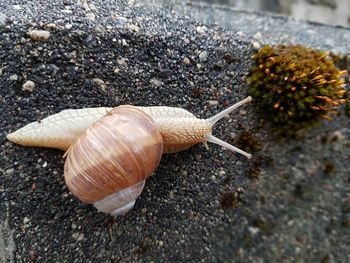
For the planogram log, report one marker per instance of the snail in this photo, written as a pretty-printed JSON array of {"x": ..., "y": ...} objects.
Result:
[{"x": 110, "y": 152}]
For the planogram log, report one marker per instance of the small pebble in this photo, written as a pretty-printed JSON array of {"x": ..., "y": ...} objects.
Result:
[
  {"x": 201, "y": 30},
  {"x": 50, "y": 26},
  {"x": 124, "y": 43},
  {"x": 253, "y": 230},
  {"x": 10, "y": 171},
  {"x": 28, "y": 86},
  {"x": 258, "y": 36},
  {"x": 338, "y": 136},
  {"x": 67, "y": 11},
  {"x": 213, "y": 102},
  {"x": 222, "y": 173},
  {"x": 256, "y": 45},
  {"x": 241, "y": 34},
  {"x": 203, "y": 55},
  {"x": 68, "y": 26},
  {"x": 3, "y": 20},
  {"x": 26, "y": 220},
  {"x": 239, "y": 190},
  {"x": 39, "y": 35},
  {"x": 78, "y": 236},
  {"x": 14, "y": 77},
  {"x": 186, "y": 61},
  {"x": 242, "y": 112},
  {"x": 17, "y": 7},
  {"x": 91, "y": 16},
  {"x": 100, "y": 83}
]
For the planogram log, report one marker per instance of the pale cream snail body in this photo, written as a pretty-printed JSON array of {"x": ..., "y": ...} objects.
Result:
[{"x": 111, "y": 152}]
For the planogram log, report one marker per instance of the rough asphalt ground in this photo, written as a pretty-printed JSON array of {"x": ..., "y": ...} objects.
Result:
[{"x": 290, "y": 203}]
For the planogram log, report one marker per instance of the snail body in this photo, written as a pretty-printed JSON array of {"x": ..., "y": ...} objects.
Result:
[
  {"x": 62, "y": 129},
  {"x": 111, "y": 152}
]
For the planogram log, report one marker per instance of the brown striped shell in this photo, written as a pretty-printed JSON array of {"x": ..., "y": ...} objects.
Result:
[{"x": 113, "y": 158}]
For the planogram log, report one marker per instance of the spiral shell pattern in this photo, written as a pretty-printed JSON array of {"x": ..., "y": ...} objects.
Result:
[{"x": 118, "y": 151}]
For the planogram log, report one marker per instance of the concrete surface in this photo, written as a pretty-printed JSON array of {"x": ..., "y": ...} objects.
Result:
[{"x": 290, "y": 203}]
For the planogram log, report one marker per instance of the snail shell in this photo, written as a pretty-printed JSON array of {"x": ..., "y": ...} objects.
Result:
[
  {"x": 111, "y": 152},
  {"x": 107, "y": 166}
]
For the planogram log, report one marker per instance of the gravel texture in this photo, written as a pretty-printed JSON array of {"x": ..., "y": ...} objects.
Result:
[{"x": 290, "y": 203}]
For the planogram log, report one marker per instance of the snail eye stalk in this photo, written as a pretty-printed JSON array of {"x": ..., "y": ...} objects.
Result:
[{"x": 219, "y": 116}]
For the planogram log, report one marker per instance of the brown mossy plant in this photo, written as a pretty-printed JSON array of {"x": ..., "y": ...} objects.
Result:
[
  {"x": 343, "y": 63},
  {"x": 295, "y": 85}
]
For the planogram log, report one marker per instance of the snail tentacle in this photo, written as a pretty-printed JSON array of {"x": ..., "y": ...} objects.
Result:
[
  {"x": 220, "y": 115},
  {"x": 228, "y": 146},
  {"x": 211, "y": 138}
]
